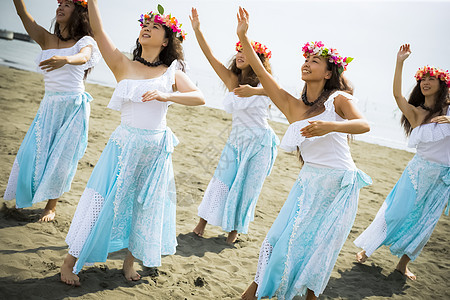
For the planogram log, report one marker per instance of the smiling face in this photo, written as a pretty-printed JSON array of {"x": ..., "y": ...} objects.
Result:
[
  {"x": 429, "y": 85},
  {"x": 315, "y": 68},
  {"x": 64, "y": 11},
  {"x": 241, "y": 60},
  {"x": 153, "y": 34}
]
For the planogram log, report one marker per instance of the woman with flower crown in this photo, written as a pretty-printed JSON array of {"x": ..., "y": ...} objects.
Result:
[
  {"x": 251, "y": 148},
  {"x": 301, "y": 248},
  {"x": 130, "y": 200},
  {"x": 56, "y": 140},
  {"x": 412, "y": 209}
]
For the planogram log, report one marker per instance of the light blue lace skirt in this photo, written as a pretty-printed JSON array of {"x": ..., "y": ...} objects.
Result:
[
  {"x": 48, "y": 156},
  {"x": 410, "y": 212},
  {"x": 232, "y": 193},
  {"x": 129, "y": 201},
  {"x": 302, "y": 246}
]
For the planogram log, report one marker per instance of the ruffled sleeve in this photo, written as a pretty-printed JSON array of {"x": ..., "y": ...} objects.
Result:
[
  {"x": 329, "y": 104},
  {"x": 118, "y": 97},
  {"x": 427, "y": 133},
  {"x": 95, "y": 55}
]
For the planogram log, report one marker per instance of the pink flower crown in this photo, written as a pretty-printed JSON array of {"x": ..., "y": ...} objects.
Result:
[
  {"x": 166, "y": 20},
  {"x": 435, "y": 72},
  {"x": 258, "y": 47},
  {"x": 332, "y": 54},
  {"x": 79, "y": 2}
]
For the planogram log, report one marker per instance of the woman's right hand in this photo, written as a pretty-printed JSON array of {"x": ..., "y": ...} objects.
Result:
[
  {"x": 195, "y": 21},
  {"x": 243, "y": 20},
  {"x": 403, "y": 53}
]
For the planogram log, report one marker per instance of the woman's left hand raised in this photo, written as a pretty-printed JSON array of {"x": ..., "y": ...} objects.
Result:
[
  {"x": 441, "y": 119},
  {"x": 53, "y": 63},
  {"x": 317, "y": 128},
  {"x": 243, "y": 19},
  {"x": 155, "y": 95}
]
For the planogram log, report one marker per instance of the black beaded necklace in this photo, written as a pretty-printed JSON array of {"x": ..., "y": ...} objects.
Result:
[
  {"x": 305, "y": 99},
  {"x": 59, "y": 36},
  {"x": 147, "y": 63},
  {"x": 424, "y": 107}
]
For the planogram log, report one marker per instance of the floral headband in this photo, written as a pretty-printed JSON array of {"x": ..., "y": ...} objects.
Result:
[
  {"x": 332, "y": 55},
  {"x": 166, "y": 20},
  {"x": 258, "y": 47},
  {"x": 435, "y": 72},
  {"x": 79, "y": 2}
]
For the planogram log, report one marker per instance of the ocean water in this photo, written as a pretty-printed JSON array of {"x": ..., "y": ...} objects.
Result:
[{"x": 384, "y": 120}]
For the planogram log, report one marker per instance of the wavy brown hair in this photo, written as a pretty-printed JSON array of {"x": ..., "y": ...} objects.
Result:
[
  {"x": 417, "y": 98},
  {"x": 173, "y": 50},
  {"x": 251, "y": 78}
]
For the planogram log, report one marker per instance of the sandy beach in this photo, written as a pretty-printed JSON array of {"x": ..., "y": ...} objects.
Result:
[{"x": 202, "y": 268}]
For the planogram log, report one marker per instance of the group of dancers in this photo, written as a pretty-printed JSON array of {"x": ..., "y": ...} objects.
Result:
[{"x": 130, "y": 200}]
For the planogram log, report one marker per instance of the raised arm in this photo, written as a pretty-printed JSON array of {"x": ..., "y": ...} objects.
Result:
[
  {"x": 36, "y": 32},
  {"x": 115, "y": 60},
  {"x": 228, "y": 78},
  {"x": 186, "y": 92},
  {"x": 287, "y": 103},
  {"x": 407, "y": 109}
]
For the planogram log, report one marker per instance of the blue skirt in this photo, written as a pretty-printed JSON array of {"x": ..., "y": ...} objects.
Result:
[
  {"x": 302, "y": 246},
  {"x": 410, "y": 212},
  {"x": 129, "y": 201},
  {"x": 232, "y": 193},
  {"x": 48, "y": 156}
]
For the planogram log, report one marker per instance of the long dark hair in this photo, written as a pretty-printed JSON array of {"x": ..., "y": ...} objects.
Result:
[
  {"x": 78, "y": 26},
  {"x": 173, "y": 50},
  {"x": 251, "y": 78},
  {"x": 417, "y": 98},
  {"x": 337, "y": 82}
]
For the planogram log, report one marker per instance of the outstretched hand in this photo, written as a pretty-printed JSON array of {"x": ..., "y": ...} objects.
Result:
[
  {"x": 403, "y": 53},
  {"x": 316, "y": 128},
  {"x": 155, "y": 95},
  {"x": 243, "y": 19},
  {"x": 244, "y": 91},
  {"x": 195, "y": 21},
  {"x": 53, "y": 63},
  {"x": 441, "y": 119}
]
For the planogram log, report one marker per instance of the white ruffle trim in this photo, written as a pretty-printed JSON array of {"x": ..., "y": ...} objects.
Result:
[
  {"x": 213, "y": 203},
  {"x": 427, "y": 133},
  {"x": 375, "y": 234},
  {"x": 232, "y": 103},
  {"x": 264, "y": 255},
  {"x": 292, "y": 139},
  {"x": 131, "y": 90},
  {"x": 86, "y": 215},
  {"x": 11, "y": 188}
]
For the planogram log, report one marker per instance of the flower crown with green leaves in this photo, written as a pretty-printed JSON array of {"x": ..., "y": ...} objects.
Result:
[
  {"x": 434, "y": 72},
  {"x": 79, "y": 2},
  {"x": 165, "y": 20},
  {"x": 332, "y": 55},
  {"x": 258, "y": 47}
]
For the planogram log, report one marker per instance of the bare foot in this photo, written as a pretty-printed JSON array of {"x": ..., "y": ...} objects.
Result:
[
  {"x": 405, "y": 271},
  {"x": 128, "y": 268},
  {"x": 250, "y": 292},
  {"x": 66, "y": 271},
  {"x": 49, "y": 212},
  {"x": 199, "y": 230},
  {"x": 361, "y": 257},
  {"x": 232, "y": 237}
]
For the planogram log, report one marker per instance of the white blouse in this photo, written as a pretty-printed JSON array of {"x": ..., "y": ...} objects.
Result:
[
  {"x": 68, "y": 78},
  {"x": 127, "y": 98},
  {"x": 432, "y": 141},
  {"x": 248, "y": 111},
  {"x": 330, "y": 150}
]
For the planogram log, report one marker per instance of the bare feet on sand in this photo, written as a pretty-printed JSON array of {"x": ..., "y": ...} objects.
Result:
[
  {"x": 66, "y": 271},
  {"x": 232, "y": 237},
  {"x": 250, "y": 292},
  {"x": 403, "y": 268},
  {"x": 128, "y": 268},
  {"x": 199, "y": 230},
  {"x": 49, "y": 212},
  {"x": 361, "y": 257}
]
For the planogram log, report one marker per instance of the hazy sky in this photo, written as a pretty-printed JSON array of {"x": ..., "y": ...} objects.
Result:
[{"x": 369, "y": 31}]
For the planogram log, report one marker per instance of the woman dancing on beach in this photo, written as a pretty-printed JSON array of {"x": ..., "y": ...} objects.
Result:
[
  {"x": 130, "y": 200},
  {"x": 56, "y": 140},
  {"x": 301, "y": 248},
  {"x": 412, "y": 209},
  {"x": 251, "y": 149}
]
